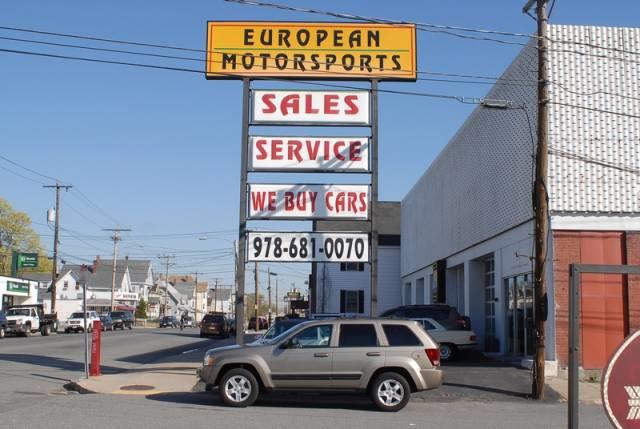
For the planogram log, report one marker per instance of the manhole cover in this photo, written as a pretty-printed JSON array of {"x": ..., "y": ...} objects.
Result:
[{"x": 137, "y": 387}]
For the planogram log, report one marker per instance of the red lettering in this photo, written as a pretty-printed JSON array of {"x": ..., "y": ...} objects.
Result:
[
  {"x": 331, "y": 104},
  {"x": 272, "y": 201},
  {"x": 353, "y": 107},
  {"x": 354, "y": 151},
  {"x": 363, "y": 202},
  {"x": 257, "y": 200},
  {"x": 301, "y": 201},
  {"x": 288, "y": 201},
  {"x": 276, "y": 150},
  {"x": 290, "y": 102},
  {"x": 351, "y": 202},
  {"x": 313, "y": 151},
  {"x": 308, "y": 104},
  {"x": 336, "y": 150},
  {"x": 313, "y": 196},
  {"x": 327, "y": 201},
  {"x": 327, "y": 154},
  {"x": 340, "y": 202},
  {"x": 267, "y": 100},
  {"x": 262, "y": 153},
  {"x": 294, "y": 147}
]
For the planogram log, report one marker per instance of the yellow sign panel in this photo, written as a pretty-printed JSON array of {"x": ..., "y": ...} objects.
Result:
[{"x": 311, "y": 50}]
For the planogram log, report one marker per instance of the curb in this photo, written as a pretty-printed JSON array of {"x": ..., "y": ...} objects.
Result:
[{"x": 74, "y": 386}]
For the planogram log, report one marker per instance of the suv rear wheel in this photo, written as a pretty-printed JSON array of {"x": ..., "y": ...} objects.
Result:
[
  {"x": 390, "y": 391},
  {"x": 239, "y": 388}
]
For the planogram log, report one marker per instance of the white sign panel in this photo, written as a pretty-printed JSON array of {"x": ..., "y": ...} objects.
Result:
[
  {"x": 311, "y": 107},
  {"x": 308, "y": 201},
  {"x": 309, "y": 153},
  {"x": 307, "y": 247}
]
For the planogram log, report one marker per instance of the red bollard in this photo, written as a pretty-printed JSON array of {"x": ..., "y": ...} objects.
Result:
[{"x": 95, "y": 349}]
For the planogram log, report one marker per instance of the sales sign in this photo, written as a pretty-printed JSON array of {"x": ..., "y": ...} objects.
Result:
[
  {"x": 309, "y": 154},
  {"x": 311, "y": 50},
  {"x": 308, "y": 201},
  {"x": 621, "y": 385},
  {"x": 310, "y": 107},
  {"x": 307, "y": 247}
]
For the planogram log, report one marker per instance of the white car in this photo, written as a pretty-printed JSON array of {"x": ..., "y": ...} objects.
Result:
[
  {"x": 450, "y": 340},
  {"x": 75, "y": 323}
]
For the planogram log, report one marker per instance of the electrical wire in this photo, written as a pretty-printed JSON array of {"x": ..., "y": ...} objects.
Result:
[{"x": 29, "y": 170}]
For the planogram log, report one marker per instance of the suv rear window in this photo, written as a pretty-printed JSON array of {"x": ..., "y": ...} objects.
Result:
[
  {"x": 215, "y": 319},
  {"x": 357, "y": 335},
  {"x": 400, "y": 335}
]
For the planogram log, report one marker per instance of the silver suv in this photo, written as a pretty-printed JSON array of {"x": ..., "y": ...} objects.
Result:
[{"x": 388, "y": 359}]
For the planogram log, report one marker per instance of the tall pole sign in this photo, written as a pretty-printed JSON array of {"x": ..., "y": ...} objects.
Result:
[{"x": 312, "y": 51}]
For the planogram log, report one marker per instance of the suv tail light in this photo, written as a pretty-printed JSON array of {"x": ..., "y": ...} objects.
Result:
[
  {"x": 472, "y": 337},
  {"x": 434, "y": 356}
]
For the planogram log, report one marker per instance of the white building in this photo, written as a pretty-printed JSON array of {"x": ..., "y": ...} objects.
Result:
[
  {"x": 467, "y": 223},
  {"x": 17, "y": 291},
  {"x": 346, "y": 287}
]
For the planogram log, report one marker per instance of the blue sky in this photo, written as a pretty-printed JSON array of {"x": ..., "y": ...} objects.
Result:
[{"x": 158, "y": 151}]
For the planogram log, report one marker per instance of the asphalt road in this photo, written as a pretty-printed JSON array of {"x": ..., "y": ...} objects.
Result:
[{"x": 35, "y": 369}]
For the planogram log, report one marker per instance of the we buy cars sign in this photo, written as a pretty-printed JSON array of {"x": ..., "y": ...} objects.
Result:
[
  {"x": 267, "y": 201},
  {"x": 311, "y": 107},
  {"x": 621, "y": 385},
  {"x": 309, "y": 154}
]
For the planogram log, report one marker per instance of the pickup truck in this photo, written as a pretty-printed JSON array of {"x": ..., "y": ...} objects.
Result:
[
  {"x": 75, "y": 322},
  {"x": 29, "y": 319}
]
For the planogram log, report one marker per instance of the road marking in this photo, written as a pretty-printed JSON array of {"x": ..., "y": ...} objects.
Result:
[{"x": 190, "y": 351}]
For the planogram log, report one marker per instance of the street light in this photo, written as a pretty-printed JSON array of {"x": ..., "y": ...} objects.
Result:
[{"x": 269, "y": 274}]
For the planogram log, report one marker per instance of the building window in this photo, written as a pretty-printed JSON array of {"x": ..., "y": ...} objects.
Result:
[
  {"x": 65, "y": 285},
  {"x": 420, "y": 291},
  {"x": 407, "y": 293},
  {"x": 352, "y": 301},
  {"x": 352, "y": 266}
]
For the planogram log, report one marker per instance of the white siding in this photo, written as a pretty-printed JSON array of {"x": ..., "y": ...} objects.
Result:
[{"x": 584, "y": 143}]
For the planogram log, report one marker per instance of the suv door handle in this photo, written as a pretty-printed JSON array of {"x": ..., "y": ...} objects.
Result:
[
  {"x": 321, "y": 355},
  {"x": 373, "y": 353}
]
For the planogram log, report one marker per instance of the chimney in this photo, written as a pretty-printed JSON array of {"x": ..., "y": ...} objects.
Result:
[
  {"x": 126, "y": 258},
  {"x": 96, "y": 264}
]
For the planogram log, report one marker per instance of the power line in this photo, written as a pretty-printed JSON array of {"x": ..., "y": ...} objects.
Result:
[
  {"x": 29, "y": 169},
  {"x": 95, "y": 206},
  {"x": 22, "y": 176},
  {"x": 593, "y": 109}
]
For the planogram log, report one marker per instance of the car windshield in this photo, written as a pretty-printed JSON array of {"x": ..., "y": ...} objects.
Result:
[
  {"x": 18, "y": 312},
  {"x": 284, "y": 333},
  {"x": 77, "y": 316},
  {"x": 278, "y": 328},
  {"x": 117, "y": 314}
]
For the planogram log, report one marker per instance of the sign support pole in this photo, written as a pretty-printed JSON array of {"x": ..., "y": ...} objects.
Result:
[
  {"x": 374, "y": 197},
  {"x": 242, "y": 225}
]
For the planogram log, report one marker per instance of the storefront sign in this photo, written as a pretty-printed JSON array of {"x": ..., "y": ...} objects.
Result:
[
  {"x": 621, "y": 385},
  {"x": 27, "y": 260},
  {"x": 310, "y": 107},
  {"x": 309, "y": 153},
  {"x": 125, "y": 296},
  {"x": 18, "y": 287},
  {"x": 307, "y": 247},
  {"x": 311, "y": 50},
  {"x": 308, "y": 202}
]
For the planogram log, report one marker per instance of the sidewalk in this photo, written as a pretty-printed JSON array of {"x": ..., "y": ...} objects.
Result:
[{"x": 589, "y": 393}]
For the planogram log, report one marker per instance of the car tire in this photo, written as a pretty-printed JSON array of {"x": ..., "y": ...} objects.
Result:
[
  {"x": 2, "y": 332},
  {"x": 45, "y": 331},
  {"x": 390, "y": 391},
  {"x": 201, "y": 335},
  {"x": 27, "y": 333},
  {"x": 447, "y": 352},
  {"x": 239, "y": 388},
  {"x": 130, "y": 327}
]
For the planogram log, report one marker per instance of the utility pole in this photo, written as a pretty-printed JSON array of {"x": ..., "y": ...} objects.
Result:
[
  {"x": 540, "y": 199},
  {"x": 215, "y": 297},
  {"x": 196, "y": 297},
  {"x": 115, "y": 238},
  {"x": 276, "y": 297},
  {"x": 257, "y": 300},
  {"x": 54, "y": 270},
  {"x": 166, "y": 258}
]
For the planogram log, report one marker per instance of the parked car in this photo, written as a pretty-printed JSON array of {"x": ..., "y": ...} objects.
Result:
[
  {"x": 450, "y": 340},
  {"x": 445, "y": 314},
  {"x": 386, "y": 358},
  {"x": 29, "y": 319},
  {"x": 262, "y": 324},
  {"x": 214, "y": 324},
  {"x": 106, "y": 322},
  {"x": 3, "y": 324},
  {"x": 75, "y": 323},
  {"x": 169, "y": 322},
  {"x": 189, "y": 322},
  {"x": 278, "y": 328},
  {"x": 122, "y": 319},
  {"x": 232, "y": 326}
]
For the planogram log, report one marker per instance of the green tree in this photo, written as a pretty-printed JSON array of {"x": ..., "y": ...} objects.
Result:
[
  {"x": 141, "y": 310},
  {"x": 17, "y": 234}
]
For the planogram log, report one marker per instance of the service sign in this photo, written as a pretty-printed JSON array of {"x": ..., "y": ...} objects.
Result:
[
  {"x": 311, "y": 50},
  {"x": 307, "y": 247},
  {"x": 308, "y": 201},
  {"x": 339, "y": 154},
  {"x": 621, "y": 385},
  {"x": 310, "y": 107}
]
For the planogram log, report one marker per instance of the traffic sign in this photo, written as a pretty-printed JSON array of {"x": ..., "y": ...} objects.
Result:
[{"x": 621, "y": 385}]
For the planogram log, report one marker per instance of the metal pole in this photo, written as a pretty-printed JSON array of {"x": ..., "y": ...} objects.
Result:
[
  {"x": 116, "y": 237},
  {"x": 54, "y": 269},
  {"x": 374, "y": 198},
  {"x": 257, "y": 292},
  {"x": 196, "y": 305},
  {"x": 540, "y": 197},
  {"x": 86, "y": 334},
  {"x": 242, "y": 224},
  {"x": 269, "y": 290},
  {"x": 215, "y": 297},
  {"x": 276, "y": 297},
  {"x": 574, "y": 325}
]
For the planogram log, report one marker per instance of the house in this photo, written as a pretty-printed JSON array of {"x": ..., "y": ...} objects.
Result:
[
  {"x": 467, "y": 223},
  {"x": 140, "y": 273},
  {"x": 346, "y": 287},
  {"x": 219, "y": 300},
  {"x": 68, "y": 292}
]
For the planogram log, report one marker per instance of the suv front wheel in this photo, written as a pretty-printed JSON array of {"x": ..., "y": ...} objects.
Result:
[
  {"x": 239, "y": 388},
  {"x": 390, "y": 392}
]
